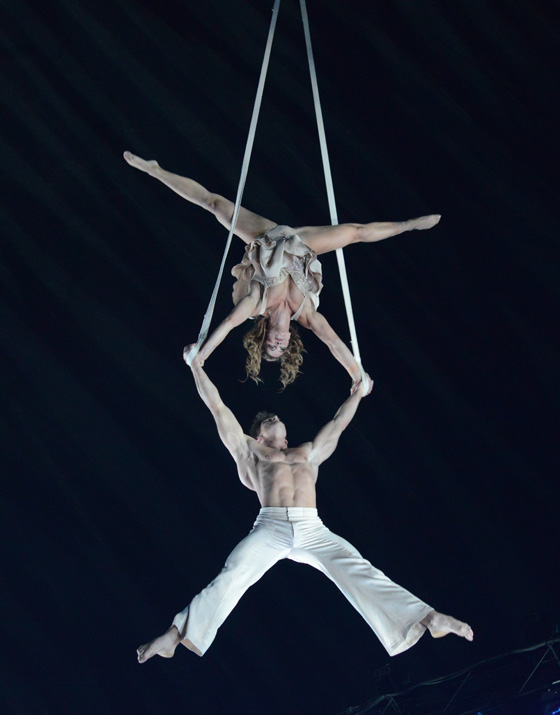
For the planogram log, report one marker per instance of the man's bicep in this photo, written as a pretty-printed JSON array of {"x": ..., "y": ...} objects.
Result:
[
  {"x": 230, "y": 432},
  {"x": 324, "y": 444}
]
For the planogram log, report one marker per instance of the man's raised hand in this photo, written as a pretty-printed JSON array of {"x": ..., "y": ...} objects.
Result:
[
  {"x": 197, "y": 361},
  {"x": 359, "y": 384}
]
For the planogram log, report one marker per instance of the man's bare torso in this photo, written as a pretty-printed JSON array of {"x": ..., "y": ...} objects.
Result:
[{"x": 281, "y": 477}]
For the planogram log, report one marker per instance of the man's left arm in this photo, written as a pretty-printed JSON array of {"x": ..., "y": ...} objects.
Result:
[{"x": 326, "y": 440}]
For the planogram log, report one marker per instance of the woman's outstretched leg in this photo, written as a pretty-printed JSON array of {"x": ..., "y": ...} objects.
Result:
[
  {"x": 248, "y": 226},
  {"x": 323, "y": 239}
]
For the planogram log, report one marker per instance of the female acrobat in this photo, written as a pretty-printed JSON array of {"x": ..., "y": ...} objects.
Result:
[{"x": 279, "y": 279}]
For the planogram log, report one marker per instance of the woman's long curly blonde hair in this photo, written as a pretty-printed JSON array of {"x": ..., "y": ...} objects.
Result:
[{"x": 290, "y": 361}]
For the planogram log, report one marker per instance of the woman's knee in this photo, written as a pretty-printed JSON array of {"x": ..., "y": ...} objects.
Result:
[
  {"x": 215, "y": 203},
  {"x": 357, "y": 232}
]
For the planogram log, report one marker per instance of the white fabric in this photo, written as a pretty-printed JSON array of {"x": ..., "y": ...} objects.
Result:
[
  {"x": 330, "y": 196},
  {"x": 271, "y": 259},
  {"x": 298, "y": 534}
]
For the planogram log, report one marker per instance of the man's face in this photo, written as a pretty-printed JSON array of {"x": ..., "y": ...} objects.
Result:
[
  {"x": 276, "y": 342},
  {"x": 272, "y": 428}
]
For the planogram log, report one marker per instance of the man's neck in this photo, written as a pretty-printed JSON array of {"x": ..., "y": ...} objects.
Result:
[{"x": 278, "y": 444}]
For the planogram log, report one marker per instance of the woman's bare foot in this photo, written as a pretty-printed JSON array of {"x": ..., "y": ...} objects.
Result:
[
  {"x": 163, "y": 645},
  {"x": 423, "y": 222},
  {"x": 142, "y": 164},
  {"x": 440, "y": 625}
]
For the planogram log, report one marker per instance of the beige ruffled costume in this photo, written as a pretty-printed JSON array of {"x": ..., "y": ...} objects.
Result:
[{"x": 270, "y": 259}]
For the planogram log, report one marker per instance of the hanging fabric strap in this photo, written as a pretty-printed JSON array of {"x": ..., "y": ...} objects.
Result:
[
  {"x": 330, "y": 194},
  {"x": 244, "y": 170}
]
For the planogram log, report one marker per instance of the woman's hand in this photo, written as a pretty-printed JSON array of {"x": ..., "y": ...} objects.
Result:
[
  {"x": 358, "y": 384},
  {"x": 198, "y": 360}
]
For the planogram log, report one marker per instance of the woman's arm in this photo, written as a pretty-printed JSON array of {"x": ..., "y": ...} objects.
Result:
[
  {"x": 319, "y": 325},
  {"x": 243, "y": 310}
]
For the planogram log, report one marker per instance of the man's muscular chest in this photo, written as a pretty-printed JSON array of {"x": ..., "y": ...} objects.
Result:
[{"x": 268, "y": 455}]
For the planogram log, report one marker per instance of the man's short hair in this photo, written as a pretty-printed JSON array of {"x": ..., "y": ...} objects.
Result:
[{"x": 260, "y": 417}]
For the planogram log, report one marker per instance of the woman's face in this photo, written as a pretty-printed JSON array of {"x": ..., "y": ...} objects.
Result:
[{"x": 276, "y": 342}]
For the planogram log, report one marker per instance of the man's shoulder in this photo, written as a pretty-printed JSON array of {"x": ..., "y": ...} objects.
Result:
[
  {"x": 303, "y": 449},
  {"x": 249, "y": 444},
  {"x": 242, "y": 451}
]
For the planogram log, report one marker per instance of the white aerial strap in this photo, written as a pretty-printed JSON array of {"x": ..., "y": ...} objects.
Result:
[
  {"x": 244, "y": 170},
  {"x": 330, "y": 193}
]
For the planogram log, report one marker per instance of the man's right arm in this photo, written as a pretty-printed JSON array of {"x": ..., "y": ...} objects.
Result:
[{"x": 229, "y": 428}]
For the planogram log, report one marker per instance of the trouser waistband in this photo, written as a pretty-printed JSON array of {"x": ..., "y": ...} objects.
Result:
[{"x": 288, "y": 513}]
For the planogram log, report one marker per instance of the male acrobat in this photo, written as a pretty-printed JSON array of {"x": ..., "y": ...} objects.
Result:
[{"x": 288, "y": 526}]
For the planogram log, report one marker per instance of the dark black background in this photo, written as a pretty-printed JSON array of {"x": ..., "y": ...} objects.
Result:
[{"x": 118, "y": 501}]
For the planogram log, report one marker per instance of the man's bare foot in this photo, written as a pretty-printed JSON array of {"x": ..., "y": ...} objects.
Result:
[
  {"x": 440, "y": 625},
  {"x": 163, "y": 645},
  {"x": 142, "y": 164},
  {"x": 424, "y": 222}
]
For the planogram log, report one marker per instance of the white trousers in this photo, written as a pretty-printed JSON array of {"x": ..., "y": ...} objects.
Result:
[{"x": 298, "y": 534}]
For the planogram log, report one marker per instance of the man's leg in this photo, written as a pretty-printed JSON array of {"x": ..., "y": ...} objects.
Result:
[
  {"x": 248, "y": 225},
  {"x": 196, "y": 626},
  {"x": 396, "y": 616},
  {"x": 323, "y": 239}
]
